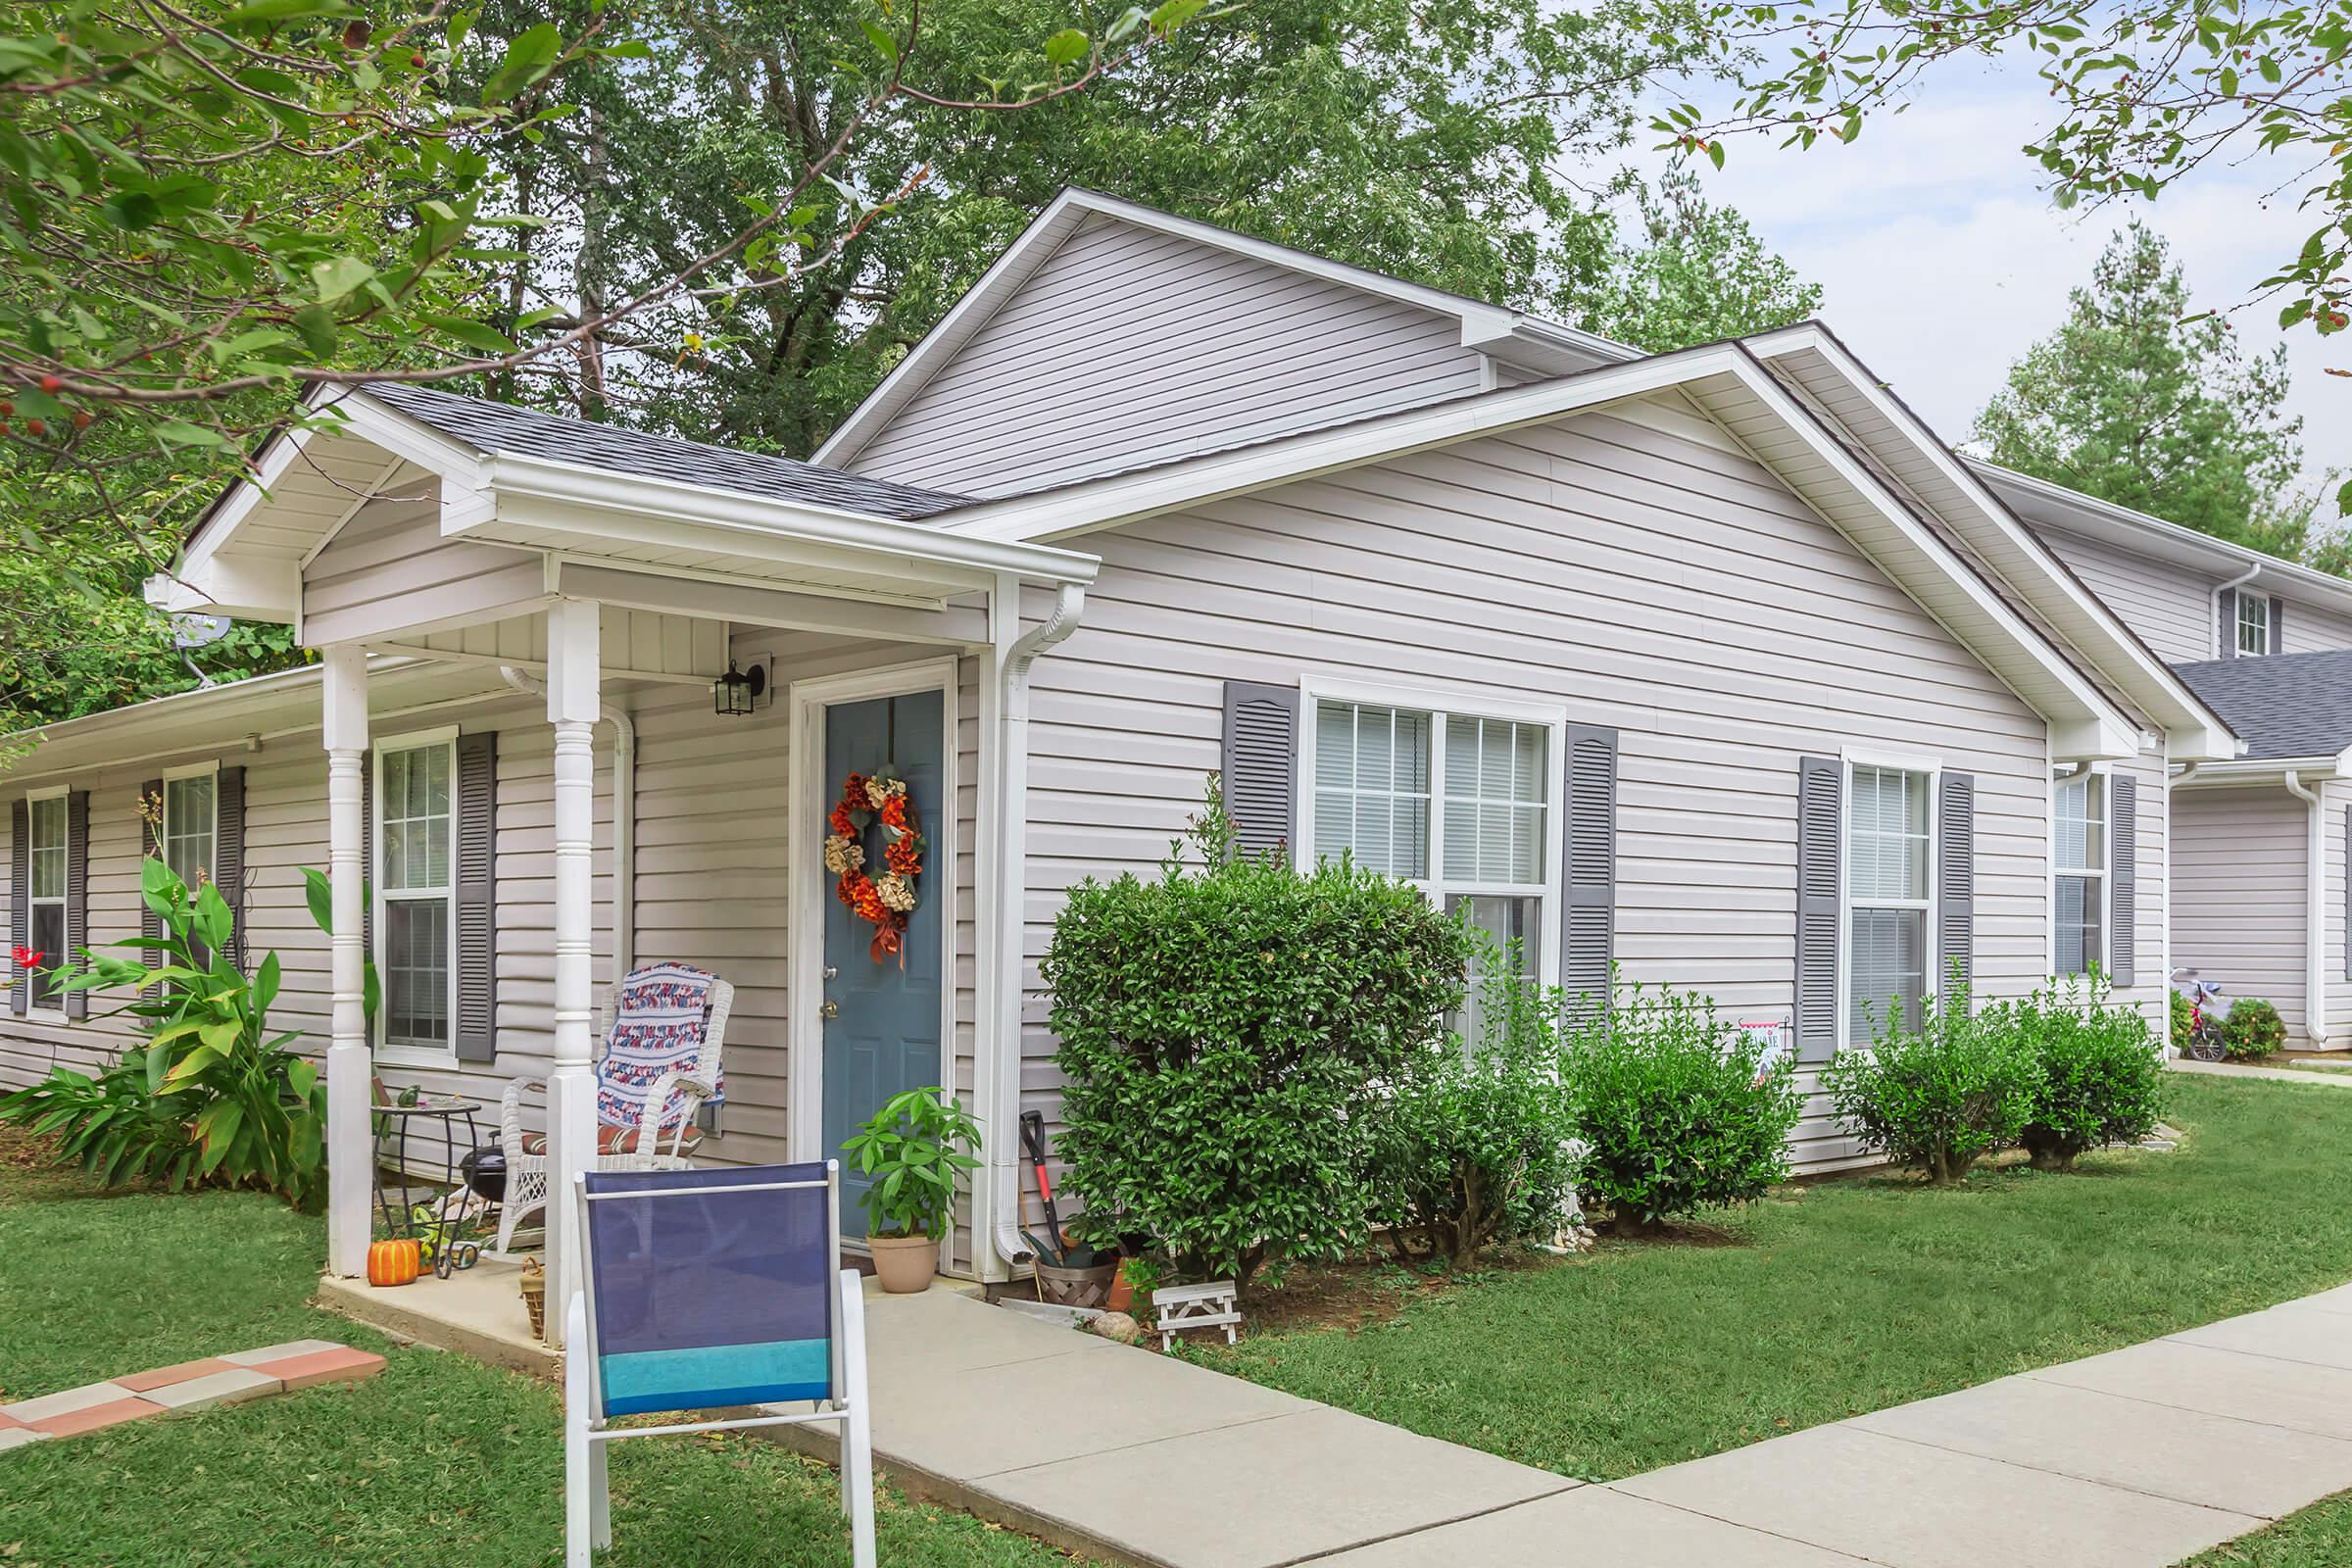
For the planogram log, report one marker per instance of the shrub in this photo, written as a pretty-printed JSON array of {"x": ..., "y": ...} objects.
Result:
[
  {"x": 2184, "y": 1015},
  {"x": 212, "y": 1096},
  {"x": 2103, "y": 1074},
  {"x": 1221, "y": 1027},
  {"x": 1681, "y": 1110},
  {"x": 1476, "y": 1144},
  {"x": 1938, "y": 1097},
  {"x": 2252, "y": 1029}
]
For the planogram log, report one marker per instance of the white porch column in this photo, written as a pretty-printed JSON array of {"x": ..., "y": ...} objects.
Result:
[
  {"x": 573, "y": 695},
  {"x": 350, "y": 1151}
]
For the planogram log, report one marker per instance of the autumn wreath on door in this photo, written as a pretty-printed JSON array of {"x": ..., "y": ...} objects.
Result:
[{"x": 889, "y": 899}]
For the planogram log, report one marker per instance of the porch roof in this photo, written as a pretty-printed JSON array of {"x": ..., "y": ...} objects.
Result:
[{"x": 2284, "y": 705}]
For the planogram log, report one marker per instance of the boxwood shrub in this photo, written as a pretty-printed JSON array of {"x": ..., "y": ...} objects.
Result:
[
  {"x": 1937, "y": 1097},
  {"x": 1223, "y": 1027},
  {"x": 1679, "y": 1109},
  {"x": 2102, "y": 1073}
]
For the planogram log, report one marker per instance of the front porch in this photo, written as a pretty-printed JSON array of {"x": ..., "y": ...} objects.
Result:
[{"x": 589, "y": 615}]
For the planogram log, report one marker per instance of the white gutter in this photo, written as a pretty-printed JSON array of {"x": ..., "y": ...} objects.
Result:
[
  {"x": 2315, "y": 913},
  {"x": 1013, "y": 890},
  {"x": 624, "y": 819},
  {"x": 2213, "y": 611}
]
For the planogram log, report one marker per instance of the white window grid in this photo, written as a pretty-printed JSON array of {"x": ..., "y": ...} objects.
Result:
[
  {"x": 2080, "y": 853},
  {"x": 1906, "y": 842},
  {"x": 191, "y": 826},
  {"x": 2253, "y": 623},
  {"x": 45, "y": 856},
  {"x": 415, "y": 860}
]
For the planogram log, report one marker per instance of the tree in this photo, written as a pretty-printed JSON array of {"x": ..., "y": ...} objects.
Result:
[
  {"x": 2145, "y": 92},
  {"x": 1704, "y": 275},
  {"x": 2139, "y": 402}
]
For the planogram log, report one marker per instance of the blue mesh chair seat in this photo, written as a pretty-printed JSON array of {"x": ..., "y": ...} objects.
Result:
[{"x": 706, "y": 1291}]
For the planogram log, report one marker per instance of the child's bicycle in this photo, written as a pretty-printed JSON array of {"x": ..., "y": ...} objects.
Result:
[{"x": 2207, "y": 1012}]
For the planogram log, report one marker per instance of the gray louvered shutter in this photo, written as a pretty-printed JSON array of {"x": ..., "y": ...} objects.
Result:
[
  {"x": 2225, "y": 634},
  {"x": 1260, "y": 763},
  {"x": 20, "y": 899},
  {"x": 77, "y": 892},
  {"x": 368, "y": 865},
  {"x": 1955, "y": 884},
  {"x": 1820, "y": 787},
  {"x": 2344, "y": 858},
  {"x": 477, "y": 896},
  {"x": 2278, "y": 624},
  {"x": 1589, "y": 912},
  {"x": 229, "y": 853},
  {"x": 151, "y": 924},
  {"x": 2122, "y": 850}
]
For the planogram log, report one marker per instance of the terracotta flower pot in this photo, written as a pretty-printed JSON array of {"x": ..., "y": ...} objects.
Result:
[{"x": 905, "y": 1263}]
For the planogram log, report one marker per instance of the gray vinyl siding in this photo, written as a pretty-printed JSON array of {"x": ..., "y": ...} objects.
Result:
[
  {"x": 1129, "y": 347},
  {"x": 389, "y": 569},
  {"x": 2310, "y": 630},
  {"x": 1638, "y": 579},
  {"x": 2238, "y": 893},
  {"x": 2169, "y": 605}
]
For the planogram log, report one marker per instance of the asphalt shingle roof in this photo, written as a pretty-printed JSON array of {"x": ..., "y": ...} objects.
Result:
[
  {"x": 502, "y": 427},
  {"x": 2283, "y": 704}
]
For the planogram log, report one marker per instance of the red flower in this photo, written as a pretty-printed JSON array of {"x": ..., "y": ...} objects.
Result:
[{"x": 27, "y": 957}]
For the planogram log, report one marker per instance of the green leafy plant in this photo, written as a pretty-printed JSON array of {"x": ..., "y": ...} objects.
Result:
[
  {"x": 2103, "y": 1074},
  {"x": 2253, "y": 1029},
  {"x": 1682, "y": 1112},
  {"x": 1475, "y": 1143},
  {"x": 1939, "y": 1096},
  {"x": 2183, "y": 1019},
  {"x": 211, "y": 1096},
  {"x": 1223, "y": 1028},
  {"x": 914, "y": 1147},
  {"x": 319, "y": 896}
]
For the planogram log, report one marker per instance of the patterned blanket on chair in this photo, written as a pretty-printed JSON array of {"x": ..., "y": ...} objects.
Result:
[{"x": 662, "y": 1023}]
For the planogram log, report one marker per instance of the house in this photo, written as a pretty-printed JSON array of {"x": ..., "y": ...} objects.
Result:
[
  {"x": 1716, "y": 666},
  {"x": 2268, "y": 646}
]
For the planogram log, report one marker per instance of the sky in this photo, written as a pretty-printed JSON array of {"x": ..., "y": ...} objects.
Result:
[{"x": 1942, "y": 261}]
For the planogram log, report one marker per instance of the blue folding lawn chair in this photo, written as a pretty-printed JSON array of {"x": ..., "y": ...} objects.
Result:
[{"x": 706, "y": 1290}]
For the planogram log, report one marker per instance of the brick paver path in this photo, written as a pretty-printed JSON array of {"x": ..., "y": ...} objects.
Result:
[{"x": 189, "y": 1386}]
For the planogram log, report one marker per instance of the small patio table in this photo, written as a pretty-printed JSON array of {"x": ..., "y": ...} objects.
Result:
[{"x": 447, "y": 1110}]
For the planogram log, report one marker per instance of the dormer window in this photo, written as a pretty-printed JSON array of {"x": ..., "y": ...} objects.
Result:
[{"x": 2253, "y": 625}]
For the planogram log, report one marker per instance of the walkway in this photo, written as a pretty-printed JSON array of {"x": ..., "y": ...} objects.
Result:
[
  {"x": 2133, "y": 1459},
  {"x": 2341, "y": 1077},
  {"x": 231, "y": 1379}
]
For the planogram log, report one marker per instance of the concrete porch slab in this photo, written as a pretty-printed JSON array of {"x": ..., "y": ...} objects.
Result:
[
  {"x": 1891, "y": 1501},
  {"x": 1590, "y": 1527},
  {"x": 2186, "y": 1455},
  {"x": 1301, "y": 1485},
  {"x": 476, "y": 1311}
]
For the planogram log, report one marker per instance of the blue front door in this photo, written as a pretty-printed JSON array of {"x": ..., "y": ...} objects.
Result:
[{"x": 882, "y": 1013}]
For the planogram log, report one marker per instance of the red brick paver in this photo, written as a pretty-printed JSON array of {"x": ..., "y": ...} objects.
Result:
[
  {"x": 91, "y": 1417},
  {"x": 340, "y": 1365},
  {"x": 188, "y": 1386}
]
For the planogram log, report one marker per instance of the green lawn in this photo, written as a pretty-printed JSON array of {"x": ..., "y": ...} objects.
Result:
[
  {"x": 437, "y": 1460},
  {"x": 1856, "y": 1295},
  {"x": 2320, "y": 1536}
]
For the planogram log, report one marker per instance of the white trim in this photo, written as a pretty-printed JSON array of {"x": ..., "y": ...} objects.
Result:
[
  {"x": 387, "y": 1052},
  {"x": 34, "y": 1013},
  {"x": 2239, "y": 604},
  {"x": 1443, "y": 700},
  {"x": 2105, "y": 874},
  {"x": 1931, "y": 943},
  {"x": 807, "y": 795}
]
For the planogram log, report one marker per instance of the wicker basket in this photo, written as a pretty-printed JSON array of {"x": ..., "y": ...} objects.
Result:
[
  {"x": 534, "y": 1296},
  {"x": 1076, "y": 1286}
]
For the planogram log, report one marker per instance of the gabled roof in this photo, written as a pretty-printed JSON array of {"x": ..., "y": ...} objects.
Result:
[
  {"x": 1529, "y": 342},
  {"x": 488, "y": 426},
  {"x": 2284, "y": 705}
]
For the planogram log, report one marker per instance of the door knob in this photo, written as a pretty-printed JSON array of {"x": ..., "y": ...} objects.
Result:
[{"x": 828, "y": 1008}]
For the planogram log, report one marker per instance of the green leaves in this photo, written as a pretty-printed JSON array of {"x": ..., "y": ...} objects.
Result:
[
  {"x": 333, "y": 279},
  {"x": 528, "y": 57},
  {"x": 914, "y": 1147}
]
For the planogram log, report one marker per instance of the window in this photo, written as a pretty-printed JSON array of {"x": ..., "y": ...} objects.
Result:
[
  {"x": 45, "y": 874},
  {"x": 191, "y": 829},
  {"x": 1888, "y": 894},
  {"x": 2253, "y": 623},
  {"x": 1457, "y": 804},
  {"x": 415, "y": 880},
  {"x": 2082, "y": 888}
]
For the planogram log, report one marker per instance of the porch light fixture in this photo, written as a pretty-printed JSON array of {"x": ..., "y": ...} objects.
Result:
[{"x": 737, "y": 692}]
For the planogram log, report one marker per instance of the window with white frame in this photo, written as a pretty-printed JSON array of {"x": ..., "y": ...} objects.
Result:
[
  {"x": 416, "y": 887},
  {"x": 2253, "y": 623},
  {"x": 45, "y": 876},
  {"x": 1456, "y": 803},
  {"x": 191, "y": 829},
  {"x": 2082, "y": 868},
  {"x": 1890, "y": 955}
]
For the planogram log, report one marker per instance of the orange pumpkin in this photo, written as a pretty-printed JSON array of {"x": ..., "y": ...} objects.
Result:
[{"x": 394, "y": 1262}]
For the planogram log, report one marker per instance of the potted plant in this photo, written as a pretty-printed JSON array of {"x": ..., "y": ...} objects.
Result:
[{"x": 913, "y": 1149}]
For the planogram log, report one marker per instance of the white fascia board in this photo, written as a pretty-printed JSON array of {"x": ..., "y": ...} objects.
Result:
[
  {"x": 2266, "y": 770},
  {"x": 598, "y": 503},
  {"x": 219, "y": 526},
  {"x": 1116, "y": 499},
  {"x": 244, "y": 587},
  {"x": 2062, "y": 596}
]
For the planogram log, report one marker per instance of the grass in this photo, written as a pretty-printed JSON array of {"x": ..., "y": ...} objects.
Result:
[
  {"x": 2320, "y": 1536},
  {"x": 1840, "y": 1297},
  {"x": 437, "y": 1460}
]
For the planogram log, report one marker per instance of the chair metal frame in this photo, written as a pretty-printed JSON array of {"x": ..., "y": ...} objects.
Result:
[{"x": 587, "y": 1494}]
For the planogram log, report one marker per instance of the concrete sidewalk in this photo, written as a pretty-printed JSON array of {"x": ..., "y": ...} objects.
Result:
[
  {"x": 2341, "y": 1078},
  {"x": 2133, "y": 1459}
]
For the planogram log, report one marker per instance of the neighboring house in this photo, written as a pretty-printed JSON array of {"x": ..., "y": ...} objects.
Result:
[
  {"x": 2262, "y": 641},
  {"x": 1716, "y": 666}
]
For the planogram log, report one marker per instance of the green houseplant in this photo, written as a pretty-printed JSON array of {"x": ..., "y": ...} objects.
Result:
[{"x": 913, "y": 1148}]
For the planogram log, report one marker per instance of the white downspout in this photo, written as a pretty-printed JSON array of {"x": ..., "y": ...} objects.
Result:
[
  {"x": 624, "y": 819},
  {"x": 1012, "y": 889},
  {"x": 2315, "y": 913},
  {"x": 2213, "y": 615}
]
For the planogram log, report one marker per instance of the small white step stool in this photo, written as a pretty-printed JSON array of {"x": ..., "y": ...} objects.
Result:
[{"x": 1194, "y": 1307}]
